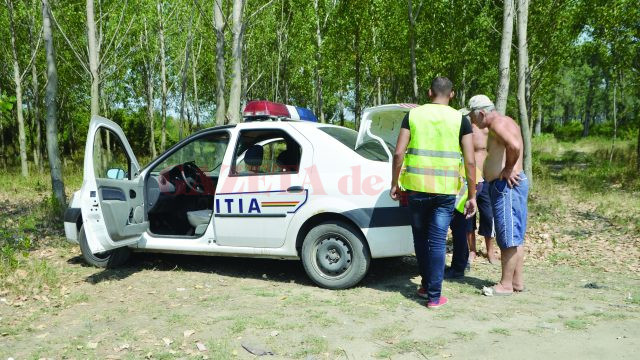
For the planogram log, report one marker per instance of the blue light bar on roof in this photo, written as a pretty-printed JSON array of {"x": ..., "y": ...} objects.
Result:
[
  {"x": 306, "y": 114},
  {"x": 300, "y": 113}
]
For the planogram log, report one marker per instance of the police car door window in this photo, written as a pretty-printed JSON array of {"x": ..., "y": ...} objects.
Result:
[
  {"x": 110, "y": 160},
  {"x": 206, "y": 152},
  {"x": 261, "y": 152}
]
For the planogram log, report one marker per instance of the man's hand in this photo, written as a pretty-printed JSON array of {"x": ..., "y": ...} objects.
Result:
[
  {"x": 512, "y": 177},
  {"x": 394, "y": 193},
  {"x": 470, "y": 208}
]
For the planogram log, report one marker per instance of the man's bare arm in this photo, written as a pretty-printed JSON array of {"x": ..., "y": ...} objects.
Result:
[
  {"x": 398, "y": 158},
  {"x": 468, "y": 154},
  {"x": 508, "y": 133}
]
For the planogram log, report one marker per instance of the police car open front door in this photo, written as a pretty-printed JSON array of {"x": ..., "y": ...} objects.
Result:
[
  {"x": 263, "y": 189},
  {"x": 112, "y": 193}
]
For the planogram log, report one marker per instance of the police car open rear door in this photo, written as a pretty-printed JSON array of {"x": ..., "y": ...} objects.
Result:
[{"x": 112, "y": 201}]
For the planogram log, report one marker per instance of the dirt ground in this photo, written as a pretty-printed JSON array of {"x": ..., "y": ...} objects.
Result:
[
  {"x": 176, "y": 306},
  {"x": 583, "y": 300}
]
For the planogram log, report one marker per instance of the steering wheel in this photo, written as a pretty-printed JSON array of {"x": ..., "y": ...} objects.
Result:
[{"x": 193, "y": 177}]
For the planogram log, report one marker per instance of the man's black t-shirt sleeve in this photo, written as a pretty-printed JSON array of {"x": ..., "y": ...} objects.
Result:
[
  {"x": 405, "y": 122},
  {"x": 465, "y": 126}
]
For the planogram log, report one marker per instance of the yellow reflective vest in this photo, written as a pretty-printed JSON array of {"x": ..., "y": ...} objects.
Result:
[{"x": 433, "y": 162}]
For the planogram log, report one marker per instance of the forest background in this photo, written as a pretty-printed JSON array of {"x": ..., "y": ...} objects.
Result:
[
  {"x": 566, "y": 70},
  {"x": 165, "y": 69}
]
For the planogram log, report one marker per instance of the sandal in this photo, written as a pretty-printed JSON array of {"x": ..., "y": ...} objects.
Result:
[{"x": 491, "y": 291}]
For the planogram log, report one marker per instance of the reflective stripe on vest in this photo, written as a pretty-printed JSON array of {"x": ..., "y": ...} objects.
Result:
[
  {"x": 432, "y": 172},
  {"x": 433, "y": 153},
  {"x": 433, "y": 162}
]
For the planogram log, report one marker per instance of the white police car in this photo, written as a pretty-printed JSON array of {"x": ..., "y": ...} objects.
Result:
[{"x": 276, "y": 189}]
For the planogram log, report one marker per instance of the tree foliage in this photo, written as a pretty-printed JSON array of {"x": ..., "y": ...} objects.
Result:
[{"x": 362, "y": 59}]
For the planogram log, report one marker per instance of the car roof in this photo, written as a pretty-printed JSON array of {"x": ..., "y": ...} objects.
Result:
[{"x": 265, "y": 124}]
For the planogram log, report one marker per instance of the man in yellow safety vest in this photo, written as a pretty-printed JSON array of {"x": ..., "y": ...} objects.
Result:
[{"x": 433, "y": 153}]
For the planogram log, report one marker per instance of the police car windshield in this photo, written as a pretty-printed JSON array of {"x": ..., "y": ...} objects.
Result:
[{"x": 371, "y": 150}]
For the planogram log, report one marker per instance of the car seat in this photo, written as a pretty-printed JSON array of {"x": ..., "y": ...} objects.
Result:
[
  {"x": 253, "y": 158},
  {"x": 199, "y": 219},
  {"x": 288, "y": 160}
]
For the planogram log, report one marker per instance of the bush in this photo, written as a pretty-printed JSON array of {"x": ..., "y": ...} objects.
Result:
[{"x": 568, "y": 131}]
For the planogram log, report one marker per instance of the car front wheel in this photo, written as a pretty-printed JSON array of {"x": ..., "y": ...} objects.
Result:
[
  {"x": 335, "y": 256},
  {"x": 107, "y": 259}
]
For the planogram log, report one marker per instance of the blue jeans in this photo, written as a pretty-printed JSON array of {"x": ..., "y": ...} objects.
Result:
[
  {"x": 460, "y": 226},
  {"x": 430, "y": 219}
]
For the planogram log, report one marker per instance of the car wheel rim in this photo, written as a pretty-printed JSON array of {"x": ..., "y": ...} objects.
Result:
[{"x": 333, "y": 256}]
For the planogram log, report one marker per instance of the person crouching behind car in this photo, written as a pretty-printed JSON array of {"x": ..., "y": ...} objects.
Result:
[{"x": 436, "y": 140}]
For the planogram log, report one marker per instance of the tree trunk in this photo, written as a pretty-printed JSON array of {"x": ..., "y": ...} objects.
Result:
[
  {"x": 317, "y": 71},
  {"x": 163, "y": 77},
  {"x": 57, "y": 184},
  {"x": 150, "y": 115},
  {"x": 196, "y": 100},
  {"x": 412, "y": 51},
  {"x": 588, "y": 106},
  {"x": 93, "y": 59},
  {"x": 505, "y": 56},
  {"x": 22, "y": 138},
  {"x": 357, "y": 106},
  {"x": 184, "y": 80},
  {"x": 615, "y": 120},
  {"x": 523, "y": 65},
  {"x": 148, "y": 85},
  {"x": 235, "y": 92},
  {"x": 538, "y": 127},
  {"x": 638, "y": 152},
  {"x": 219, "y": 23},
  {"x": 37, "y": 150},
  {"x": 379, "y": 92}
]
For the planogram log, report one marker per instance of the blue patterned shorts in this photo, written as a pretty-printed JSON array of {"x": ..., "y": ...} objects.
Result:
[{"x": 509, "y": 207}]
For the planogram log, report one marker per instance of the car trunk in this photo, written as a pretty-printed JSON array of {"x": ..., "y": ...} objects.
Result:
[{"x": 381, "y": 124}]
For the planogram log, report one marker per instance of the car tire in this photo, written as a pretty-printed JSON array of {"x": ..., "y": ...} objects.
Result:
[
  {"x": 108, "y": 259},
  {"x": 335, "y": 255}
]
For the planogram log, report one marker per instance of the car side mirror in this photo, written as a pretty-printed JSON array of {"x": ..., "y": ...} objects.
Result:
[{"x": 115, "y": 174}]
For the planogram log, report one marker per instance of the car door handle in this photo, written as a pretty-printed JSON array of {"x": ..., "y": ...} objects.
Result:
[{"x": 295, "y": 189}]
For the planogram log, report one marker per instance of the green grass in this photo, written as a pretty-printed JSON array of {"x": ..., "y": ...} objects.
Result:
[
  {"x": 391, "y": 333},
  {"x": 634, "y": 298},
  {"x": 423, "y": 348},
  {"x": 500, "y": 331},
  {"x": 312, "y": 345},
  {"x": 465, "y": 335},
  {"x": 583, "y": 165},
  {"x": 576, "y": 324}
]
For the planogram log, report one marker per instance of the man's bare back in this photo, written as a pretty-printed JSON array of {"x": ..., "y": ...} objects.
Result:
[{"x": 501, "y": 130}]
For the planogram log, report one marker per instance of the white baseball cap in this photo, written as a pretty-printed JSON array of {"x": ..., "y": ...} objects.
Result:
[{"x": 480, "y": 102}]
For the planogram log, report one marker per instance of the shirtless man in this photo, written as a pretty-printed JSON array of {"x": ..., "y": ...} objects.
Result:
[
  {"x": 482, "y": 198},
  {"x": 508, "y": 190},
  {"x": 463, "y": 229}
]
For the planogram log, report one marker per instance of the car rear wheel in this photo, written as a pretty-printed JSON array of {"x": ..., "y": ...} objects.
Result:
[
  {"x": 335, "y": 256},
  {"x": 108, "y": 259}
]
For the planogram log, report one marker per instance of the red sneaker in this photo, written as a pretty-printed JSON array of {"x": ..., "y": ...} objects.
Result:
[
  {"x": 422, "y": 292},
  {"x": 434, "y": 305}
]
